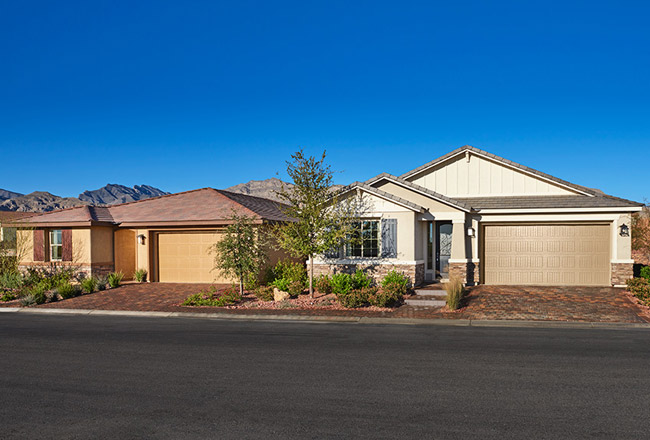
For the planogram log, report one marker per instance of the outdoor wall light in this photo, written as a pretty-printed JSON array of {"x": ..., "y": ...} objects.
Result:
[
  {"x": 141, "y": 238},
  {"x": 625, "y": 230},
  {"x": 471, "y": 232}
]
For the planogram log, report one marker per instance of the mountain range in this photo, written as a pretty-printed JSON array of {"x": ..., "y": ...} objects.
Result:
[
  {"x": 42, "y": 201},
  {"x": 111, "y": 194}
]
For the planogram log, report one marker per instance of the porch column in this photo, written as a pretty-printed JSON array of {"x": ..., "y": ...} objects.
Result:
[{"x": 458, "y": 262}]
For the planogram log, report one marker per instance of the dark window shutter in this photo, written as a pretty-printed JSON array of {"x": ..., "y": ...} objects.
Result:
[
  {"x": 389, "y": 238},
  {"x": 39, "y": 245},
  {"x": 66, "y": 238}
]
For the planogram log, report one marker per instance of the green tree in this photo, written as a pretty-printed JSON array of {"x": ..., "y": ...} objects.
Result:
[
  {"x": 241, "y": 253},
  {"x": 321, "y": 221}
]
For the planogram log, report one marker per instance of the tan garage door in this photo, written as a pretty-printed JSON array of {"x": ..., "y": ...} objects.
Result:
[
  {"x": 559, "y": 255},
  {"x": 184, "y": 257}
]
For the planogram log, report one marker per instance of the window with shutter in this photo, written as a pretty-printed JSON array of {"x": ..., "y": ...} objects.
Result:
[{"x": 389, "y": 238}]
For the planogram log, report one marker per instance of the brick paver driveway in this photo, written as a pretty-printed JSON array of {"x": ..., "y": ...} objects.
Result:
[{"x": 590, "y": 304}]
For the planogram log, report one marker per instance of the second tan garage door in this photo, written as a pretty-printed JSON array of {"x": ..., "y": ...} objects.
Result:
[
  {"x": 184, "y": 257},
  {"x": 561, "y": 255}
]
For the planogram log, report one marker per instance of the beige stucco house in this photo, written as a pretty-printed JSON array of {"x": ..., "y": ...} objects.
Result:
[
  {"x": 488, "y": 220},
  {"x": 169, "y": 236}
]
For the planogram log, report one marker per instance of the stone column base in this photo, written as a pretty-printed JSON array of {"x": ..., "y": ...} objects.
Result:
[
  {"x": 621, "y": 272},
  {"x": 467, "y": 272}
]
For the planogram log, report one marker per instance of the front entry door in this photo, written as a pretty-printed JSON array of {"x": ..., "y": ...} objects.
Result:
[{"x": 443, "y": 249}]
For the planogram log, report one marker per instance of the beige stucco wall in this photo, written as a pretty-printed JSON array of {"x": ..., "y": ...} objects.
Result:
[
  {"x": 81, "y": 246},
  {"x": 143, "y": 251},
  {"x": 102, "y": 244},
  {"x": 25, "y": 245},
  {"x": 458, "y": 177}
]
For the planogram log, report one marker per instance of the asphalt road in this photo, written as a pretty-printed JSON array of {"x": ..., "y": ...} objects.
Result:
[{"x": 117, "y": 377}]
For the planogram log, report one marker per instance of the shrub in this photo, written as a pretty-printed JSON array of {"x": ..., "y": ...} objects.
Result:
[
  {"x": 296, "y": 288},
  {"x": 288, "y": 270},
  {"x": 140, "y": 275},
  {"x": 645, "y": 272},
  {"x": 8, "y": 296},
  {"x": 281, "y": 284},
  {"x": 115, "y": 279},
  {"x": 52, "y": 296},
  {"x": 214, "y": 298},
  {"x": 89, "y": 285},
  {"x": 39, "y": 297},
  {"x": 455, "y": 292},
  {"x": 385, "y": 297},
  {"x": 323, "y": 284},
  {"x": 341, "y": 284},
  {"x": 356, "y": 297},
  {"x": 11, "y": 281},
  {"x": 66, "y": 290},
  {"x": 251, "y": 282},
  {"x": 264, "y": 293},
  {"x": 360, "y": 280},
  {"x": 396, "y": 283},
  {"x": 640, "y": 287}
]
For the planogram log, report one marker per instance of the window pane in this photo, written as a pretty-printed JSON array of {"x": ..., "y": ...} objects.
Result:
[
  {"x": 56, "y": 237},
  {"x": 57, "y": 252}
]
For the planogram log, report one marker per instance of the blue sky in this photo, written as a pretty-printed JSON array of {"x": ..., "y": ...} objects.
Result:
[{"x": 182, "y": 95}]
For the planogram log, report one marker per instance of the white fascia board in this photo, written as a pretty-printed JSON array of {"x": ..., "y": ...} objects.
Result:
[
  {"x": 397, "y": 182},
  {"x": 576, "y": 217},
  {"x": 563, "y": 210}
]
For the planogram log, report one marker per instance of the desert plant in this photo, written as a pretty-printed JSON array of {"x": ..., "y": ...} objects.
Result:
[
  {"x": 289, "y": 271},
  {"x": 385, "y": 297},
  {"x": 455, "y": 292},
  {"x": 27, "y": 300},
  {"x": 52, "y": 296},
  {"x": 214, "y": 298},
  {"x": 67, "y": 290},
  {"x": 281, "y": 284},
  {"x": 89, "y": 285},
  {"x": 323, "y": 284},
  {"x": 640, "y": 287},
  {"x": 140, "y": 275},
  {"x": 115, "y": 279},
  {"x": 264, "y": 293},
  {"x": 101, "y": 283},
  {"x": 39, "y": 297}
]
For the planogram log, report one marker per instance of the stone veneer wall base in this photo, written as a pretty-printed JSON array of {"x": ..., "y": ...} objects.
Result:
[
  {"x": 621, "y": 272},
  {"x": 415, "y": 272}
]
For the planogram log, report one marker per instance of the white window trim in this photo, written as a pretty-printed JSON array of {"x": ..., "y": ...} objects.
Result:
[
  {"x": 51, "y": 246},
  {"x": 379, "y": 244}
]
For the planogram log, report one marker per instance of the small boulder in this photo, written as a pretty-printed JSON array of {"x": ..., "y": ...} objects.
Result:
[{"x": 279, "y": 295}]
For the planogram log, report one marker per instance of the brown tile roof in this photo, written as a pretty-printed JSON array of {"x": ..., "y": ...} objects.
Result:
[
  {"x": 206, "y": 206},
  {"x": 535, "y": 202},
  {"x": 10, "y": 216},
  {"x": 579, "y": 188}
]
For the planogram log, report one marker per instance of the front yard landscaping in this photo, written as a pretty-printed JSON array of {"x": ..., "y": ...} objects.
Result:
[{"x": 286, "y": 287}]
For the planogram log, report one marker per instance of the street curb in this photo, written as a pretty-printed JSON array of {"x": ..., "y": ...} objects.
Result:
[{"x": 338, "y": 319}]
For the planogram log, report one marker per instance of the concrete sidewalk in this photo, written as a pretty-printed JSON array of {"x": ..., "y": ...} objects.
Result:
[{"x": 334, "y": 319}]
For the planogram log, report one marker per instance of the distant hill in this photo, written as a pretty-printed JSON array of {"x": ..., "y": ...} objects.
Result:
[
  {"x": 41, "y": 201},
  {"x": 113, "y": 194},
  {"x": 261, "y": 188},
  {"x": 265, "y": 188},
  {"x": 4, "y": 194}
]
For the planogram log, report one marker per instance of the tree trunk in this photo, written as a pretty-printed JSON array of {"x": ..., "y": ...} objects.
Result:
[
  {"x": 241, "y": 285},
  {"x": 311, "y": 276}
]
